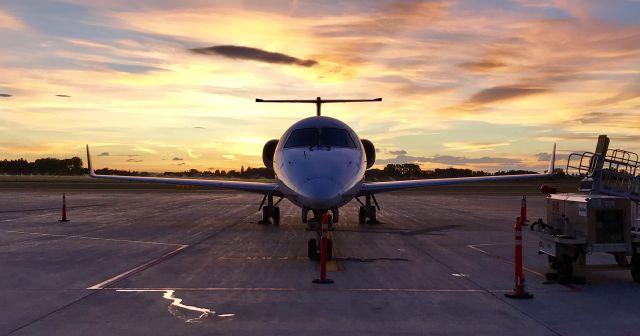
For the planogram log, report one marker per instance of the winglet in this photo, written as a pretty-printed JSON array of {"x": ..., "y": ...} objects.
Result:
[
  {"x": 91, "y": 172},
  {"x": 552, "y": 162}
]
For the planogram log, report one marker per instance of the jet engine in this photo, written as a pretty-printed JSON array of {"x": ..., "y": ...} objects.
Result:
[
  {"x": 268, "y": 151},
  {"x": 370, "y": 152}
]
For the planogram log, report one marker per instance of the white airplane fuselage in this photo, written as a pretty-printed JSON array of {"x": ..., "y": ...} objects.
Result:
[{"x": 321, "y": 176}]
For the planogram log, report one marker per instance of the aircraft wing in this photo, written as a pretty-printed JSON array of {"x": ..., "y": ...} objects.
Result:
[
  {"x": 377, "y": 187},
  {"x": 256, "y": 187}
]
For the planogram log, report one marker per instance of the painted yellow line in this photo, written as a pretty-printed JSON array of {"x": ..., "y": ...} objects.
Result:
[{"x": 332, "y": 265}]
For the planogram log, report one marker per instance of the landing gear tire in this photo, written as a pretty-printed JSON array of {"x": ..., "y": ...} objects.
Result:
[
  {"x": 312, "y": 249},
  {"x": 635, "y": 267},
  {"x": 276, "y": 216},
  {"x": 265, "y": 215},
  {"x": 565, "y": 269},
  {"x": 553, "y": 262},
  {"x": 621, "y": 259},
  {"x": 372, "y": 215},
  {"x": 362, "y": 216}
]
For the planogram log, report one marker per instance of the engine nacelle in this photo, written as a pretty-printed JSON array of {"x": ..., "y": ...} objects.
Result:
[
  {"x": 268, "y": 151},
  {"x": 369, "y": 151}
]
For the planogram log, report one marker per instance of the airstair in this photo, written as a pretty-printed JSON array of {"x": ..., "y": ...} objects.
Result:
[{"x": 613, "y": 172}]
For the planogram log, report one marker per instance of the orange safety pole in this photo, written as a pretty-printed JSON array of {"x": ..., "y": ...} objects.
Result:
[
  {"x": 323, "y": 251},
  {"x": 523, "y": 210},
  {"x": 64, "y": 209},
  {"x": 519, "y": 291}
]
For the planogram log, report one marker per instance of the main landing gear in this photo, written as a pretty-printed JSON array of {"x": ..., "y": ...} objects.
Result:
[
  {"x": 270, "y": 211},
  {"x": 367, "y": 212}
]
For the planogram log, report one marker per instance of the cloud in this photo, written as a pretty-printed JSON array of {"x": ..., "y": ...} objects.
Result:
[
  {"x": 482, "y": 66},
  {"x": 229, "y": 157},
  {"x": 474, "y": 146},
  {"x": 134, "y": 160},
  {"x": 253, "y": 54},
  {"x": 104, "y": 154},
  {"x": 591, "y": 137},
  {"x": 132, "y": 68},
  {"x": 393, "y": 18},
  {"x": 611, "y": 119},
  {"x": 492, "y": 95},
  {"x": 146, "y": 150},
  {"x": 405, "y": 50},
  {"x": 499, "y": 93},
  {"x": 63, "y": 95},
  {"x": 200, "y": 127},
  {"x": 177, "y": 159},
  {"x": 398, "y": 152},
  {"x": 5, "y": 95},
  {"x": 450, "y": 160},
  {"x": 180, "y": 164},
  {"x": 9, "y": 22},
  {"x": 190, "y": 152},
  {"x": 545, "y": 157}
]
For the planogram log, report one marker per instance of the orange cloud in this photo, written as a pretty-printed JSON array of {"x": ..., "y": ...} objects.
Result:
[{"x": 8, "y": 21}]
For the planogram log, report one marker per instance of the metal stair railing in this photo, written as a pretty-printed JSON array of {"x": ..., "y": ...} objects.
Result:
[
  {"x": 615, "y": 174},
  {"x": 586, "y": 163}
]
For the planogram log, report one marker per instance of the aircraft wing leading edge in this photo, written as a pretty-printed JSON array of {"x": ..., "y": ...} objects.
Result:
[
  {"x": 377, "y": 187},
  {"x": 256, "y": 187}
]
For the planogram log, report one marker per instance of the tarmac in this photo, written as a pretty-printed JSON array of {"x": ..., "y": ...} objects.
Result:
[{"x": 176, "y": 262}]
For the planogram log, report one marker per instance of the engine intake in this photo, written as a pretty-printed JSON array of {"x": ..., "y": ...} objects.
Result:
[
  {"x": 268, "y": 151},
  {"x": 370, "y": 152}
]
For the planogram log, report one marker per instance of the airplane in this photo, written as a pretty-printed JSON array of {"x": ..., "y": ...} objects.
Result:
[{"x": 319, "y": 164}]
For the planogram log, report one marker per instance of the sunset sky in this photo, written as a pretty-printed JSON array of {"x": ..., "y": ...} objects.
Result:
[{"x": 170, "y": 85}]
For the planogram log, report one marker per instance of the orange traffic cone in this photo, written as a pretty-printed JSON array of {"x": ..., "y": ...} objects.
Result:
[{"x": 64, "y": 209}]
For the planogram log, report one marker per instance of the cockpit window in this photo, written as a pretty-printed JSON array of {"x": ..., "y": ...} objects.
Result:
[
  {"x": 327, "y": 136},
  {"x": 303, "y": 137},
  {"x": 336, "y": 137}
]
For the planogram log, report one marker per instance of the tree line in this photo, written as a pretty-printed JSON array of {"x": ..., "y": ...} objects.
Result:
[
  {"x": 44, "y": 166},
  {"x": 74, "y": 166}
]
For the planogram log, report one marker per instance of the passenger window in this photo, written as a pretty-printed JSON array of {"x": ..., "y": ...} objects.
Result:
[
  {"x": 336, "y": 137},
  {"x": 303, "y": 137}
]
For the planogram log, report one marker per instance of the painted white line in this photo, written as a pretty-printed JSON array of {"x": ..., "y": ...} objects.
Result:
[
  {"x": 313, "y": 289},
  {"x": 92, "y": 238},
  {"x": 475, "y": 247},
  {"x": 125, "y": 274}
]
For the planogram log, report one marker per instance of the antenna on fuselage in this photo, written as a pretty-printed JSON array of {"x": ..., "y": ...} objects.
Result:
[{"x": 318, "y": 101}]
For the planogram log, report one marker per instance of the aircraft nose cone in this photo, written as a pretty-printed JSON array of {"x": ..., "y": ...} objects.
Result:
[{"x": 320, "y": 193}]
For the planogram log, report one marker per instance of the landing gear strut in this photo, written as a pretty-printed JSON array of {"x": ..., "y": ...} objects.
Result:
[
  {"x": 315, "y": 223},
  {"x": 367, "y": 212},
  {"x": 270, "y": 211}
]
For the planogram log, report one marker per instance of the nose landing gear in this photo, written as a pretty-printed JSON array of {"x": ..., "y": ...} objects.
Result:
[
  {"x": 315, "y": 224},
  {"x": 313, "y": 249}
]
